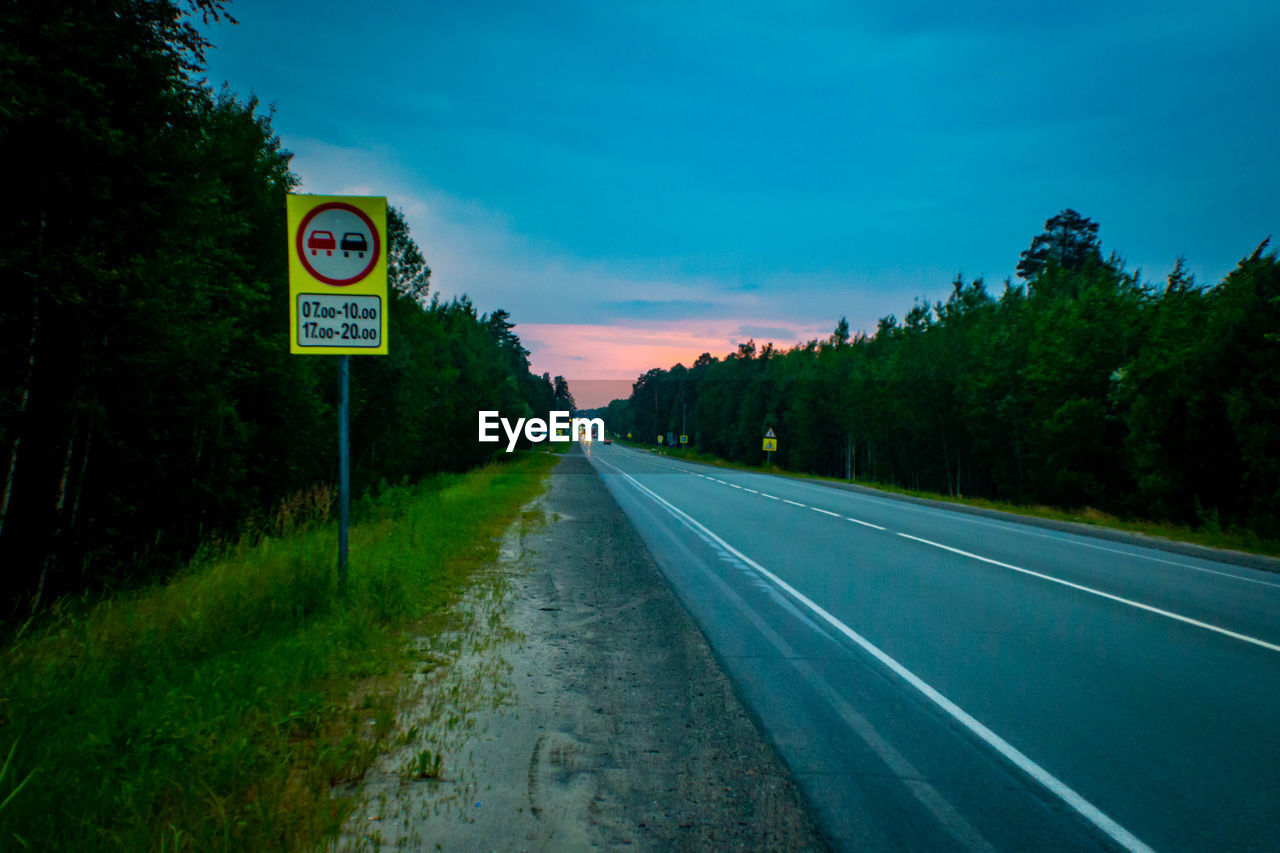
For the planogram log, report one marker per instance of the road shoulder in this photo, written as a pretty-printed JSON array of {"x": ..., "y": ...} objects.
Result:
[{"x": 581, "y": 707}]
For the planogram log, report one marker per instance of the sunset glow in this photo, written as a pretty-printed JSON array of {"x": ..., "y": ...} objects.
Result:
[{"x": 601, "y": 361}]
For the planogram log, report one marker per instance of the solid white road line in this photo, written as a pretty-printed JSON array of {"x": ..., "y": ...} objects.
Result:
[
  {"x": 1059, "y": 788},
  {"x": 915, "y": 781},
  {"x": 1138, "y": 604}
]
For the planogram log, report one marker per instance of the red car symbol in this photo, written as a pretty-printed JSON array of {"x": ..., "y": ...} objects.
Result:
[{"x": 321, "y": 240}]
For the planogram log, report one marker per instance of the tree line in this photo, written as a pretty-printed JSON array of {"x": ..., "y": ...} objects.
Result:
[
  {"x": 148, "y": 400},
  {"x": 1078, "y": 385}
]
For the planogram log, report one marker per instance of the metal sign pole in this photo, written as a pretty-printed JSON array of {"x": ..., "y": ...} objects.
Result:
[
  {"x": 344, "y": 471},
  {"x": 338, "y": 242}
]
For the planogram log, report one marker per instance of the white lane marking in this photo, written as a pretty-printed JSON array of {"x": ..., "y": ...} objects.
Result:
[
  {"x": 752, "y": 491},
  {"x": 913, "y": 779},
  {"x": 1082, "y": 806},
  {"x": 1023, "y": 529},
  {"x": 1145, "y": 556},
  {"x": 1138, "y": 604},
  {"x": 770, "y": 497},
  {"x": 825, "y": 511},
  {"x": 1066, "y": 537},
  {"x": 735, "y": 485},
  {"x": 1015, "y": 527},
  {"x": 793, "y": 503}
]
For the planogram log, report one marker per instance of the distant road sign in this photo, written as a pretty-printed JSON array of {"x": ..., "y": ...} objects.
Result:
[
  {"x": 771, "y": 444},
  {"x": 659, "y": 439},
  {"x": 769, "y": 434},
  {"x": 684, "y": 439},
  {"x": 337, "y": 274}
]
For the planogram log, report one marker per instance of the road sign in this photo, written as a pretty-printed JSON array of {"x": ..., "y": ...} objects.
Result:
[
  {"x": 659, "y": 439},
  {"x": 771, "y": 444},
  {"x": 628, "y": 435},
  {"x": 337, "y": 274},
  {"x": 684, "y": 439},
  {"x": 769, "y": 434}
]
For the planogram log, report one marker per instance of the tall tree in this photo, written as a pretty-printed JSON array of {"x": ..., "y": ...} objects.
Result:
[
  {"x": 1069, "y": 241},
  {"x": 563, "y": 396},
  {"x": 407, "y": 269}
]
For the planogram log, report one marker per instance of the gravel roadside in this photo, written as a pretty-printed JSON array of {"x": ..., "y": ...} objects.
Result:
[{"x": 580, "y": 708}]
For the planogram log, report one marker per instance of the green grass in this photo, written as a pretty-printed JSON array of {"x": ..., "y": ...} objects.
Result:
[
  {"x": 215, "y": 712},
  {"x": 1210, "y": 534}
]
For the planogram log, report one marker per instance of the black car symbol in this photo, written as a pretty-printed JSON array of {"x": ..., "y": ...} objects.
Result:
[{"x": 353, "y": 242}]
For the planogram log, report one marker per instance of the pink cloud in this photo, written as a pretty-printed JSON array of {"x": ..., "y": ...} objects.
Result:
[{"x": 601, "y": 361}]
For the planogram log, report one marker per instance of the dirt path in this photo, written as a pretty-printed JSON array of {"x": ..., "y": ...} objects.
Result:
[{"x": 580, "y": 707}]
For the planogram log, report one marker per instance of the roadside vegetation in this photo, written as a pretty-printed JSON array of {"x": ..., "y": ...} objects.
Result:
[
  {"x": 1081, "y": 385},
  {"x": 178, "y": 668},
  {"x": 148, "y": 400},
  {"x": 215, "y": 712}
]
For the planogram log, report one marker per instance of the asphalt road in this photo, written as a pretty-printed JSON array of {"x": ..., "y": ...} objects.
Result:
[{"x": 941, "y": 681}]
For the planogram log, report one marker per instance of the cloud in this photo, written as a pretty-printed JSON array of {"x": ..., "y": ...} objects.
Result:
[
  {"x": 601, "y": 361},
  {"x": 607, "y": 319},
  {"x": 661, "y": 309},
  {"x": 766, "y": 332}
]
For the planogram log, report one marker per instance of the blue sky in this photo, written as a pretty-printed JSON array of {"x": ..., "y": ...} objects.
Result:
[{"x": 648, "y": 180}]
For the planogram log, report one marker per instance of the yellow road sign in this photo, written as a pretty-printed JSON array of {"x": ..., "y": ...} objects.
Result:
[
  {"x": 771, "y": 444},
  {"x": 337, "y": 274}
]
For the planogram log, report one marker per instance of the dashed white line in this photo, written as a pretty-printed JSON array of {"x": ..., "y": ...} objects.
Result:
[
  {"x": 1138, "y": 604},
  {"x": 1013, "y": 526},
  {"x": 1130, "y": 602}
]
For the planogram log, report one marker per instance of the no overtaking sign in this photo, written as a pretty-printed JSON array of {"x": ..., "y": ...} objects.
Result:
[{"x": 337, "y": 274}]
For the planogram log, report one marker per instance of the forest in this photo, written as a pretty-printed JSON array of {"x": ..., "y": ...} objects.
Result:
[
  {"x": 149, "y": 405},
  {"x": 1078, "y": 385}
]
